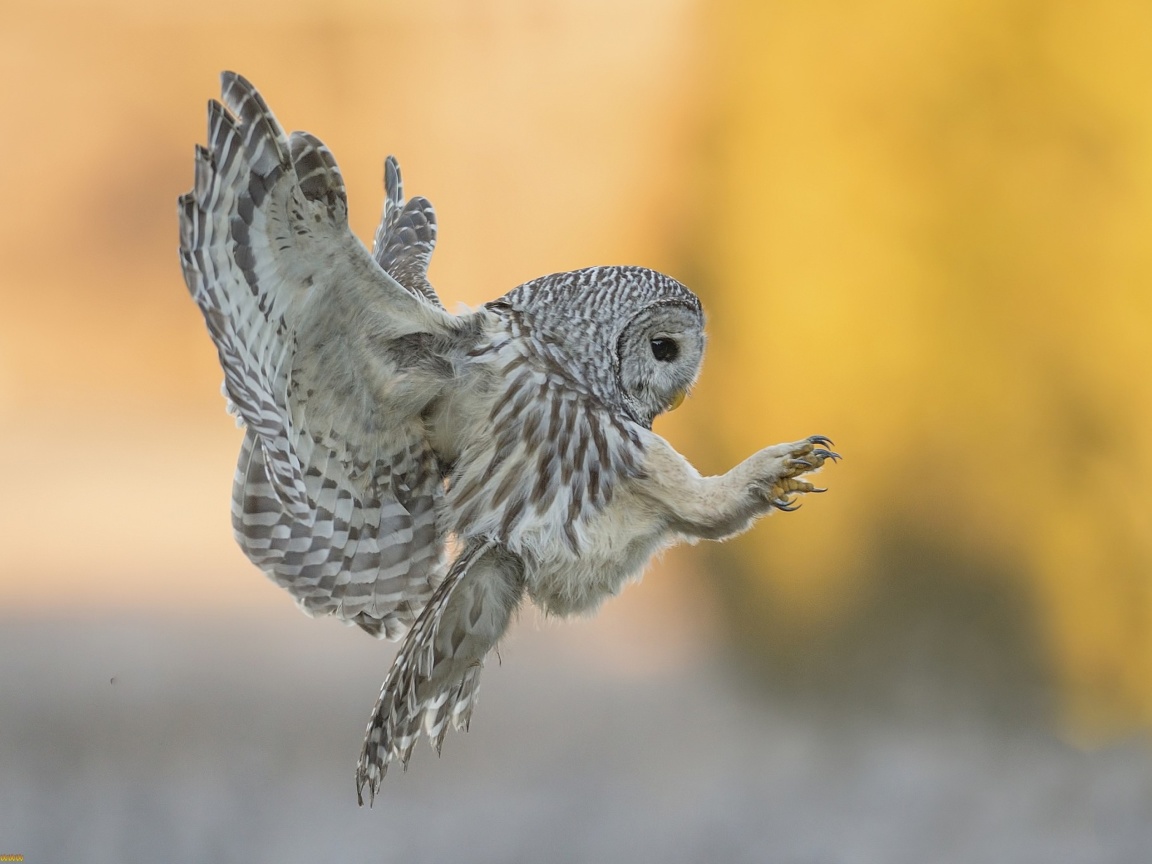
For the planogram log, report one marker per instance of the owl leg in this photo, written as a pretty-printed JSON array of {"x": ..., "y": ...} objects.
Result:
[
  {"x": 434, "y": 679},
  {"x": 781, "y": 483},
  {"x": 713, "y": 508}
]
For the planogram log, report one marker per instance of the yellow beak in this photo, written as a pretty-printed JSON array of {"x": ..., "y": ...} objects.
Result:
[{"x": 677, "y": 400}]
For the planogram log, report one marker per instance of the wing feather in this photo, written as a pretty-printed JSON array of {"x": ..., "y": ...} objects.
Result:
[
  {"x": 336, "y": 487},
  {"x": 406, "y": 236}
]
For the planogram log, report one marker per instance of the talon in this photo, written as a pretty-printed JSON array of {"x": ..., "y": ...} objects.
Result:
[
  {"x": 817, "y": 490},
  {"x": 827, "y": 454},
  {"x": 800, "y": 463},
  {"x": 822, "y": 440},
  {"x": 786, "y": 505}
]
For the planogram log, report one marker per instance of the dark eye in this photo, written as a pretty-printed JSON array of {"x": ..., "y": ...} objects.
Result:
[{"x": 665, "y": 350}]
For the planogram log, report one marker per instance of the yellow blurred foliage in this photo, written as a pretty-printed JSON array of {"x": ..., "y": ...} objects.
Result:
[
  {"x": 920, "y": 228},
  {"x": 930, "y": 232}
]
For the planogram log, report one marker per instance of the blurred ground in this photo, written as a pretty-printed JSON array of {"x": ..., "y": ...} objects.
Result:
[{"x": 129, "y": 739}]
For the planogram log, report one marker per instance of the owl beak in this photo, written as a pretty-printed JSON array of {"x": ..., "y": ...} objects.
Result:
[{"x": 678, "y": 400}]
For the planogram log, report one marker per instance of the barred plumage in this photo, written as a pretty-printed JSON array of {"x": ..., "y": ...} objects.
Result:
[
  {"x": 381, "y": 429},
  {"x": 406, "y": 236}
]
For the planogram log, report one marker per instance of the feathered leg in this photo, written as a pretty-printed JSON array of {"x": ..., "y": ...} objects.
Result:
[
  {"x": 434, "y": 678},
  {"x": 713, "y": 508}
]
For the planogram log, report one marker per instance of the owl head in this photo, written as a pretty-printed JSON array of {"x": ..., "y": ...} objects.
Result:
[
  {"x": 658, "y": 356},
  {"x": 632, "y": 336}
]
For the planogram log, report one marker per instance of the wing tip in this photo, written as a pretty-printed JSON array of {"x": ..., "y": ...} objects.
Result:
[
  {"x": 393, "y": 181},
  {"x": 245, "y": 102},
  {"x": 228, "y": 78}
]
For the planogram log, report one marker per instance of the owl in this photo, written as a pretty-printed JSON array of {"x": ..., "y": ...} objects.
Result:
[{"x": 422, "y": 474}]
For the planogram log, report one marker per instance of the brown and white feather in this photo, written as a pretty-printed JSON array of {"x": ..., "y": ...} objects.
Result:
[
  {"x": 382, "y": 430},
  {"x": 336, "y": 488}
]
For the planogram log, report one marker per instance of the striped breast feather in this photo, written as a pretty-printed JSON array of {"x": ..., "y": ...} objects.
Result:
[{"x": 552, "y": 459}]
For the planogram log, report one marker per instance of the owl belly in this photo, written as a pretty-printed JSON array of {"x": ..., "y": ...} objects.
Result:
[{"x": 617, "y": 544}]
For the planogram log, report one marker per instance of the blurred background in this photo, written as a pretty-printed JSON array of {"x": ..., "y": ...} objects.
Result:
[{"x": 921, "y": 229}]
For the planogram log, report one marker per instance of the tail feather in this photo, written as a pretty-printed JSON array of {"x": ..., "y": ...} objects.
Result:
[{"x": 434, "y": 680}]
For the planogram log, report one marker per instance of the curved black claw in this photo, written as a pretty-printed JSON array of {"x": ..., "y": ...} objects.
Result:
[
  {"x": 821, "y": 440},
  {"x": 786, "y": 505},
  {"x": 826, "y": 454}
]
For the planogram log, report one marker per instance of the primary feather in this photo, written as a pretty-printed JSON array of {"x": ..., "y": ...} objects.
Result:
[{"x": 337, "y": 487}]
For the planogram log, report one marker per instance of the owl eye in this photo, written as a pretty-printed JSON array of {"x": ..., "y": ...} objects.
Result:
[{"x": 665, "y": 350}]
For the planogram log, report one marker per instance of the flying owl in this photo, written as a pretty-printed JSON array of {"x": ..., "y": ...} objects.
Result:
[{"x": 419, "y": 473}]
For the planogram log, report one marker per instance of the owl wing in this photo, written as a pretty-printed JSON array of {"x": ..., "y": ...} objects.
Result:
[
  {"x": 406, "y": 236},
  {"x": 341, "y": 515}
]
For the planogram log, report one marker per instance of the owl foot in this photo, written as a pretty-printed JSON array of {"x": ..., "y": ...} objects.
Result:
[{"x": 783, "y": 484}]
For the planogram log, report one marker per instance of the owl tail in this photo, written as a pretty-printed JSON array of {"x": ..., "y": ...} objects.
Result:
[{"x": 433, "y": 681}]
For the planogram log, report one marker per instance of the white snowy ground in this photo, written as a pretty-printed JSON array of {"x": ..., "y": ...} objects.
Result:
[{"x": 220, "y": 740}]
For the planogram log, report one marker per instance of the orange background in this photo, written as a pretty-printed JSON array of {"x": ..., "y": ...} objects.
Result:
[{"x": 922, "y": 229}]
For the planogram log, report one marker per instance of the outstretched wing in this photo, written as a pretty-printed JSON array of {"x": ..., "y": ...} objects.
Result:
[
  {"x": 406, "y": 236},
  {"x": 336, "y": 489}
]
